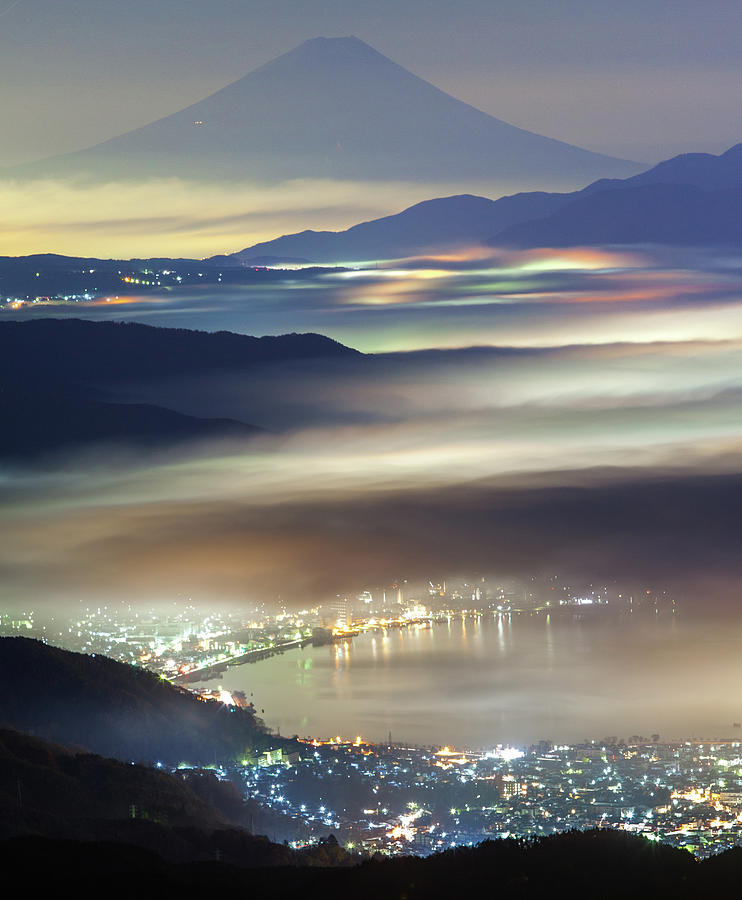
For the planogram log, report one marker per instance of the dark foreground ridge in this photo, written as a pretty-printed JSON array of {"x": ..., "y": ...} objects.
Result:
[{"x": 595, "y": 864}]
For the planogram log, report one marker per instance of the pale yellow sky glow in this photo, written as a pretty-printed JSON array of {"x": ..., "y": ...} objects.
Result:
[{"x": 170, "y": 217}]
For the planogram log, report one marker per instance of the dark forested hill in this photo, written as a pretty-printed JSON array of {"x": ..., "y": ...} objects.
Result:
[
  {"x": 117, "y": 710},
  {"x": 77, "y": 350}
]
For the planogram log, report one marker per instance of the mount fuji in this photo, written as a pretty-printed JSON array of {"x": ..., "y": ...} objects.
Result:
[{"x": 333, "y": 108}]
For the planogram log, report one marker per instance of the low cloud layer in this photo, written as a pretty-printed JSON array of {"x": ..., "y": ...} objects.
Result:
[
  {"x": 597, "y": 433},
  {"x": 470, "y": 297}
]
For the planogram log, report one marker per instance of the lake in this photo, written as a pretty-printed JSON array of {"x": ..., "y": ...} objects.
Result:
[{"x": 495, "y": 679}]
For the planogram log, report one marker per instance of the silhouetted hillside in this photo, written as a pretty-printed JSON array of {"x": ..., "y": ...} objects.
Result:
[
  {"x": 117, "y": 710},
  {"x": 600, "y": 865},
  {"x": 53, "y": 790}
]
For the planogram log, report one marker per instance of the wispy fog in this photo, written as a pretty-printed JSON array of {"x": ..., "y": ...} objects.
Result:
[{"x": 595, "y": 427}]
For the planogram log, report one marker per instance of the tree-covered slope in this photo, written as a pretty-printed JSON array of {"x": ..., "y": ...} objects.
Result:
[{"x": 117, "y": 710}]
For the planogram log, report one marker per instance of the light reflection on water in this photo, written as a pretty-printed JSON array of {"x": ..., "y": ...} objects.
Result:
[{"x": 493, "y": 680}]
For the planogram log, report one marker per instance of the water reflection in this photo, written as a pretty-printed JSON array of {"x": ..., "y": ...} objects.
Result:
[{"x": 488, "y": 680}]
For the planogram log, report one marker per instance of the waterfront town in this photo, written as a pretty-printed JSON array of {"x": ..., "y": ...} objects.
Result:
[
  {"x": 395, "y": 798},
  {"x": 185, "y": 641}
]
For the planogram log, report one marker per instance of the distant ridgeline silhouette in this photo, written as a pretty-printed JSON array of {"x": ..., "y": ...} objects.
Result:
[
  {"x": 690, "y": 199},
  {"x": 332, "y": 108},
  {"x": 96, "y": 352},
  {"x": 56, "y": 375},
  {"x": 119, "y": 710}
]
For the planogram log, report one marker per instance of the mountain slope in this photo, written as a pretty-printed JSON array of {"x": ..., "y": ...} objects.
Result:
[
  {"x": 59, "y": 784},
  {"x": 333, "y": 108}
]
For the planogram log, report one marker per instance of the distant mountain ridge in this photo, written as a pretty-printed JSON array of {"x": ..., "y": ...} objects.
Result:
[
  {"x": 332, "y": 108},
  {"x": 424, "y": 227},
  {"x": 693, "y": 199},
  {"x": 697, "y": 189}
]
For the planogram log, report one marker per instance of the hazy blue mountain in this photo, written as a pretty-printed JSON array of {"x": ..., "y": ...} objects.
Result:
[
  {"x": 680, "y": 216},
  {"x": 432, "y": 224},
  {"x": 701, "y": 170},
  {"x": 334, "y": 107},
  {"x": 652, "y": 213},
  {"x": 692, "y": 199}
]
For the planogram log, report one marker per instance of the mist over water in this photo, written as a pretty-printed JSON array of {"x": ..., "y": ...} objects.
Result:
[{"x": 516, "y": 679}]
